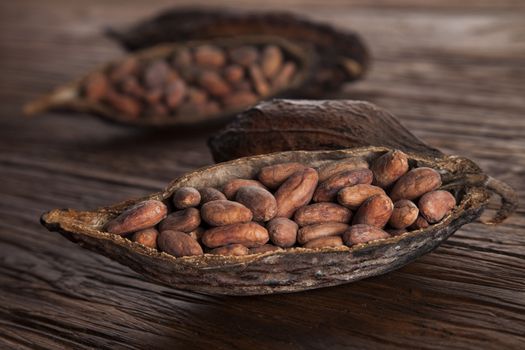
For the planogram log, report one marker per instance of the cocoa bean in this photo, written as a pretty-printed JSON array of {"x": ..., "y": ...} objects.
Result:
[
  {"x": 404, "y": 214},
  {"x": 354, "y": 196},
  {"x": 131, "y": 86},
  {"x": 126, "y": 105},
  {"x": 435, "y": 205},
  {"x": 282, "y": 231},
  {"x": 214, "y": 84},
  {"x": 225, "y": 212},
  {"x": 273, "y": 176},
  {"x": 327, "y": 190},
  {"x": 197, "y": 234},
  {"x": 420, "y": 223},
  {"x": 363, "y": 234},
  {"x": 244, "y": 55},
  {"x": 319, "y": 213},
  {"x": 234, "y": 74},
  {"x": 308, "y": 233},
  {"x": 375, "y": 211},
  {"x": 389, "y": 167},
  {"x": 248, "y": 234},
  {"x": 396, "y": 231},
  {"x": 295, "y": 192},
  {"x": 146, "y": 237},
  {"x": 209, "y": 56},
  {"x": 261, "y": 202},
  {"x": 185, "y": 220},
  {"x": 140, "y": 216},
  {"x": 175, "y": 93},
  {"x": 157, "y": 74},
  {"x": 415, "y": 183},
  {"x": 331, "y": 168},
  {"x": 124, "y": 69},
  {"x": 182, "y": 59},
  {"x": 284, "y": 76},
  {"x": 178, "y": 244},
  {"x": 186, "y": 197},
  {"x": 258, "y": 80},
  {"x": 231, "y": 249},
  {"x": 271, "y": 61},
  {"x": 232, "y": 186},
  {"x": 239, "y": 99},
  {"x": 264, "y": 249},
  {"x": 96, "y": 87},
  {"x": 209, "y": 194},
  {"x": 197, "y": 96},
  {"x": 324, "y": 242}
]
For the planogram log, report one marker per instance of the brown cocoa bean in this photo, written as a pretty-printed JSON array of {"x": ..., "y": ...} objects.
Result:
[
  {"x": 146, "y": 237},
  {"x": 415, "y": 183},
  {"x": 157, "y": 74},
  {"x": 214, "y": 84},
  {"x": 178, "y": 244},
  {"x": 186, "y": 197},
  {"x": 396, "y": 231},
  {"x": 154, "y": 96},
  {"x": 156, "y": 110},
  {"x": 271, "y": 61},
  {"x": 295, "y": 192},
  {"x": 131, "y": 86},
  {"x": 175, "y": 93},
  {"x": 362, "y": 234},
  {"x": 354, "y": 196},
  {"x": 319, "y": 213},
  {"x": 329, "y": 169},
  {"x": 239, "y": 99},
  {"x": 124, "y": 69},
  {"x": 435, "y": 205},
  {"x": 282, "y": 231},
  {"x": 225, "y": 212},
  {"x": 209, "y": 194},
  {"x": 283, "y": 78},
  {"x": 234, "y": 74},
  {"x": 232, "y": 186},
  {"x": 197, "y": 233},
  {"x": 327, "y": 190},
  {"x": 123, "y": 104},
  {"x": 404, "y": 214},
  {"x": 244, "y": 55},
  {"x": 261, "y": 202},
  {"x": 258, "y": 80},
  {"x": 140, "y": 216},
  {"x": 249, "y": 234},
  {"x": 273, "y": 176},
  {"x": 182, "y": 59},
  {"x": 324, "y": 242},
  {"x": 231, "y": 249},
  {"x": 96, "y": 87},
  {"x": 185, "y": 220},
  {"x": 375, "y": 211},
  {"x": 264, "y": 249},
  {"x": 389, "y": 167},
  {"x": 420, "y": 223},
  {"x": 209, "y": 56},
  {"x": 308, "y": 233},
  {"x": 197, "y": 96}
]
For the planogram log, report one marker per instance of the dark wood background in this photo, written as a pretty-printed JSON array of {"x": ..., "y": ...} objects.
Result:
[{"x": 453, "y": 71}]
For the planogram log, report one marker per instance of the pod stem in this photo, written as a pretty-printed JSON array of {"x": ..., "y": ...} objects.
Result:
[{"x": 509, "y": 197}]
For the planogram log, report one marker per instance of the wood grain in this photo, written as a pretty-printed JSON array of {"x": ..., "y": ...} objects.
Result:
[{"x": 452, "y": 71}]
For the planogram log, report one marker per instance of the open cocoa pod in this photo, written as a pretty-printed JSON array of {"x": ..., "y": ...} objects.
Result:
[
  {"x": 342, "y": 54},
  {"x": 291, "y": 269},
  {"x": 187, "y": 83}
]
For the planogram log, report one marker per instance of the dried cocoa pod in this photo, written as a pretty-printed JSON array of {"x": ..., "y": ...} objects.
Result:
[
  {"x": 209, "y": 194},
  {"x": 146, "y": 237},
  {"x": 231, "y": 187},
  {"x": 363, "y": 233},
  {"x": 375, "y": 211},
  {"x": 341, "y": 55},
  {"x": 335, "y": 167},
  {"x": 261, "y": 274},
  {"x": 415, "y": 183},
  {"x": 389, "y": 168},
  {"x": 231, "y": 249},
  {"x": 405, "y": 213},
  {"x": 273, "y": 176},
  {"x": 142, "y": 215},
  {"x": 295, "y": 192},
  {"x": 308, "y": 233},
  {"x": 248, "y": 234},
  {"x": 178, "y": 244},
  {"x": 186, "y": 197},
  {"x": 261, "y": 202},
  {"x": 225, "y": 212},
  {"x": 319, "y": 213},
  {"x": 435, "y": 205},
  {"x": 185, "y": 220},
  {"x": 327, "y": 190},
  {"x": 324, "y": 242},
  {"x": 265, "y": 248},
  {"x": 283, "y": 232},
  {"x": 354, "y": 196}
]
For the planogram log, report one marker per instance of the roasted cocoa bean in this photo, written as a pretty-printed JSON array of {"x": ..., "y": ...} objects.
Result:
[
  {"x": 283, "y": 78},
  {"x": 404, "y": 214},
  {"x": 375, "y": 211},
  {"x": 271, "y": 61},
  {"x": 354, "y": 196},
  {"x": 232, "y": 186},
  {"x": 415, "y": 183},
  {"x": 123, "y": 104},
  {"x": 244, "y": 55},
  {"x": 146, "y": 237},
  {"x": 389, "y": 167},
  {"x": 295, "y": 192},
  {"x": 273, "y": 176},
  {"x": 234, "y": 74},
  {"x": 214, "y": 84},
  {"x": 363, "y": 234},
  {"x": 209, "y": 194},
  {"x": 282, "y": 231},
  {"x": 327, "y": 190},
  {"x": 319, "y": 213},
  {"x": 258, "y": 80},
  {"x": 209, "y": 56},
  {"x": 123, "y": 69},
  {"x": 248, "y": 234},
  {"x": 231, "y": 249},
  {"x": 178, "y": 244},
  {"x": 186, "y": 197},
  {"x": 239, "y": 99},
  {"x": 331, "y": 168},
  {"x": 157, "y": 74},
  {"x": 140, "y": 216},
  {"x": 261, "y": 202},
  {"x": 175, "y": 93},
  {"x": 324, "y": 242},
  {"x": 225, "y": 212},
  {"x": 435, "y": 205},
  {"x": 308, "y": 233},
  {"x": 185, "y": 220}
]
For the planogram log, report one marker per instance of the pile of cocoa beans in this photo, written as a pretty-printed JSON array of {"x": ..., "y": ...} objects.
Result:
[
  {"x": 202, "y": 80},
  {"x": 341, "y": 202}
]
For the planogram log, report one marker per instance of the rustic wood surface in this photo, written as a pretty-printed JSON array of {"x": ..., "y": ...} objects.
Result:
[{"x": 451, "y": 70}]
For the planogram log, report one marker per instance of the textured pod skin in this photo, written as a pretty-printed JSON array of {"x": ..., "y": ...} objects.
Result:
[
  {"x": 375, "y": 211},
  {"x": 274, "y": 175},
  {"x": 225, "y": 212},
  {"x": 327, "y": 190},
  {"x": 415, "y": 183},
  {"x": 435, "y": 205},
  {"x": 354, "y": 196},
  {"x": 141, "y": 216},
  {"x": 311, "y": 232},
  {"x": 319, "y": 213},
  {"x": 185, "y": 220},
  {"x": 178, "y": 244},
  {"x": 288, "y": 270},
  {"x": 249, "y": 234},
  {"x": 295, "y": 192},
  {"x": 261, "y": 202}
]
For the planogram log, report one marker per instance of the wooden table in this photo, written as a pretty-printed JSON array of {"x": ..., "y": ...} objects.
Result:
[{"x": 453, "y": 71}]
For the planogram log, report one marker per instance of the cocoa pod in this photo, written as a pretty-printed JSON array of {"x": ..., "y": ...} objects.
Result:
[
  {"x": 231, "y": 249},
  {"x": 415, "y": 183},
  {"x": 142, "y": 215},
  {"x": 295, "y": 192},
  {"x": 273, "y": 176},
  {"x": 265, "y": 248},
  {"x": 329, "y": 169},
  {"x": 308, "y": 233},
  {"x": 327, "y": 190},
  {"x": 178, "y": 244},
  {"x": 319, "y": 213},
  {"x": 225, "y": 212},
  {"x": 185, "y": 220},
  {"x": 354, "y": 196},
  {"x": 363, "y": 233},
  {"x": 375, "y": 211},
  {"x": 324, "y": 242},
  {"x": 405, "y": 213},
  {"x": 146, "y": 237},
  {"x": 209, "y": 194},
  {"x": 232, "y": 186},
  {"x": 261, "y": 202},
  {"x": 388, "y": 168},
  {"x": 248, "y": 234},
  {"x": 186, "y": 197},
  {"x": 282, "y": 232},
  {"x": 435, "y": 205}
]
